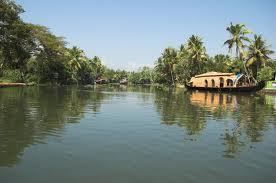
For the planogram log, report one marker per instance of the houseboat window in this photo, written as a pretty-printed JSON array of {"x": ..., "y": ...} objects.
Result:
[
  {"x": 213, "y": 83},
  {"x": 206, "y": 83},
  {"x": 229, "y": 82},
  {"x": 221, "y": 82}
]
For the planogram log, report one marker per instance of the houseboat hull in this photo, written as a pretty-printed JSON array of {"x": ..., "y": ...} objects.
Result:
[{"x": 256, "y": 88}]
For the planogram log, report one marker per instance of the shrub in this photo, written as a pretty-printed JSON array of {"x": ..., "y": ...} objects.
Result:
[
  {"x": 11, "y": 76},
  {"x": 265, "y": 74}
]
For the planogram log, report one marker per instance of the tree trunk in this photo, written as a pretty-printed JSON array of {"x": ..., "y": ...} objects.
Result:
[
  {"x": 21, "y": 70},
  {"x": 172, "y": 76}
]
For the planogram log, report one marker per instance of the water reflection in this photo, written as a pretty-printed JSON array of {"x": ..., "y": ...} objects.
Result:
[
  {"x": 245, "y": 117},
  {"x": 28, "y": 115},
  {"x": 175, "y": 107}
]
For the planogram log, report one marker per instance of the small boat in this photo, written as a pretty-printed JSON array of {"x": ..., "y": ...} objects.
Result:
[
  {"x": 123, "y": 81},
  {"x": 223, "y": 82}
]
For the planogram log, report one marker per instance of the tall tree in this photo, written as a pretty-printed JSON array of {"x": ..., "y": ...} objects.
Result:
[
  {"x": 197, "y": 53},
  {"x": 97, "y": 67},
  {"x": 238, "y": 38},
  {"x": 183, "y": 67},
  {"x": 51, "y": 55},
  {"x": 258, "y": 54},
  {"x": 170, "y": 59},
  {"x": 16, "y": 41},
  {"x": 76, "y": 60}
]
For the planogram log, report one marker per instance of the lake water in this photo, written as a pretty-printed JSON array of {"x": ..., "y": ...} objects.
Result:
[{"x": 122, "y": 134}]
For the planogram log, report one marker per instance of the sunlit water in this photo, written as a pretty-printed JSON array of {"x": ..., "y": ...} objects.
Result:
[{"x": 122, "y": 134}]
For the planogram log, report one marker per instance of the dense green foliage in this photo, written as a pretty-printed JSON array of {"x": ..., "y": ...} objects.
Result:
[
  {"x": 38, "y": 55},
  {"x": 31, "y": 53}
]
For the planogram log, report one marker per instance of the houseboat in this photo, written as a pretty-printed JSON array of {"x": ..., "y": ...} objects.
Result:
[
  {"x": 101, "y": 81},
  {"x": 223, "y": 82},
  {"x": 123, "y": 81}
]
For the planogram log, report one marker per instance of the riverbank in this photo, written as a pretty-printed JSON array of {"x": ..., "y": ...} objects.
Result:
[
  {"x": 270, "y": 88},
  {"x": 4, "y": 85},
  {"x": 268, "y": 91}
]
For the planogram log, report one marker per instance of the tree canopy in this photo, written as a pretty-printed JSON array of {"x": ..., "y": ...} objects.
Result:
[{"x": 32, "y": 53}]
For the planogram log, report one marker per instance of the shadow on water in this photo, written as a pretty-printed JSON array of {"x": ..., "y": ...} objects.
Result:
[{"x": 28, "y": 115}]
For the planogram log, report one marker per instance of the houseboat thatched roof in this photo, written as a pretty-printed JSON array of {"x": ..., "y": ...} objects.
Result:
[{"x": 214, "y": 74}]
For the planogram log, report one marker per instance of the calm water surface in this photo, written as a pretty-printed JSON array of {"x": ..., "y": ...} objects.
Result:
[{"x": 135, "y": 134}]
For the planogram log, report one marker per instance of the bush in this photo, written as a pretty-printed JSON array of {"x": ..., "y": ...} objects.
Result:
[
  {"x": 32, "y": 78},
  {"x": 11, "y": 76},
  {"x": 265, "y": 74}
]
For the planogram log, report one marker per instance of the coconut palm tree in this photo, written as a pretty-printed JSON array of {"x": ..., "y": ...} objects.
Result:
[
  {"x": 76, "y": 59},
  {"x": 97, "y": 66},
  {"x": 170, "y": 58},
  {"x": 196, "y": 49},
  {"x": 258, "y": 54},
  {"x": 238, "y": 37},
  {"x": 197, "y": 52},
  {"x": 222, "y": 63},
  {"x": 165, "y": 66}
]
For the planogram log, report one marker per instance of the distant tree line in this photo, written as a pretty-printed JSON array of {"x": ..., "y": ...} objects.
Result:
[{"x": 32, "y": 53}]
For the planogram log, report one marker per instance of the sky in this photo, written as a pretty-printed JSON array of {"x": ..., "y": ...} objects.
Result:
[{"x": 128, "y": 34}]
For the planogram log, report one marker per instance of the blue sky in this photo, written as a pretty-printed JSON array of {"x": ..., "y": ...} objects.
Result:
[{"x": 128, "y": 34}]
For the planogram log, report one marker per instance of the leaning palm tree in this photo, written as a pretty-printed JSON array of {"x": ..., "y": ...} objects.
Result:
[
  {"x": 238, "y": 37},
  {"x": 197, "y": 53},
  {"x": 76, "y": 59},
  {"x": 258, "y": 54}
]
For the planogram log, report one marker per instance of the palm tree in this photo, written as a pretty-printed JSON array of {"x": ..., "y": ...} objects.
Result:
[
  {"x": 258, "y": 54},
  {"x": 76, "y": 59},
  {"x": 97, "y": 65},
  {"x": 170, "y": 59},
  {"x": 238, "y": 34},
  {"x": 159, "y": 70},
  {"x": 238, "y": 38},
  {"x": 223, "y": 63},
  {"x": 197, "y": 52}
]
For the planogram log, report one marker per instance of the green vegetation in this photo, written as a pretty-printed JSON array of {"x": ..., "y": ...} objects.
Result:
[
  {"x": 31, "y": 53},
  {"x": 252, "y": 58}
]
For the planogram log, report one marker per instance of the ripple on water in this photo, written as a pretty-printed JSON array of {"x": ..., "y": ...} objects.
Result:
[{"x": 155, "y": 134}]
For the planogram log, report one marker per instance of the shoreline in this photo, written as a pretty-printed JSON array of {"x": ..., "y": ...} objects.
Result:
[
  {"x": 268, "y": 91},
  {"x": 5, "y": 85}
]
